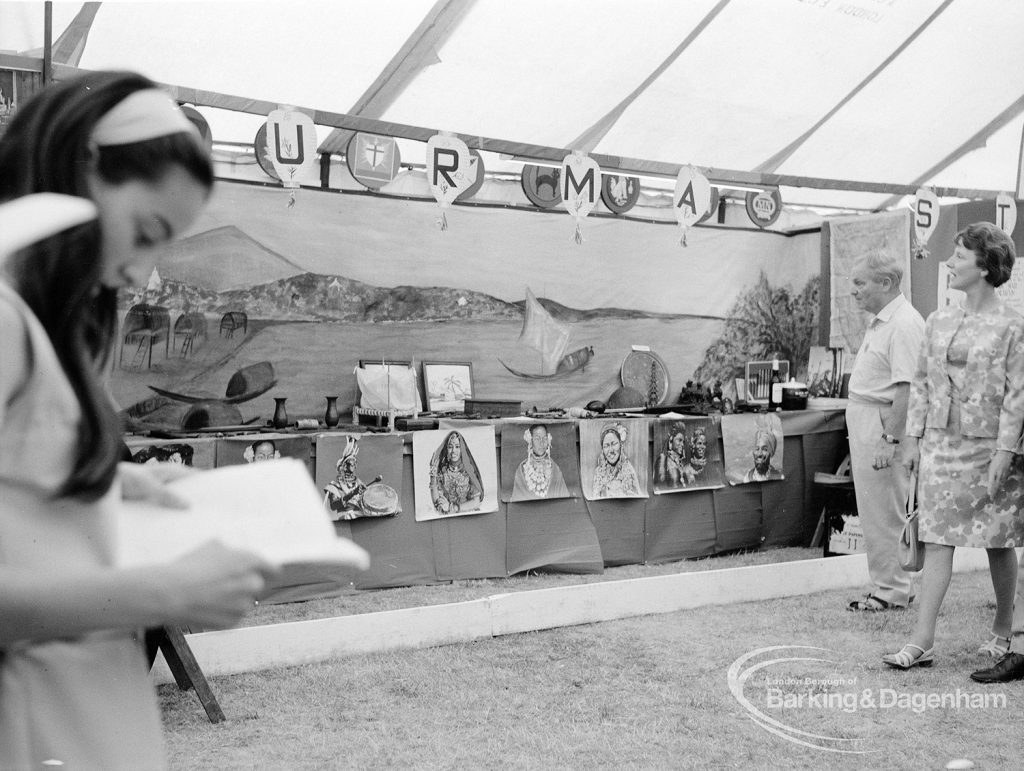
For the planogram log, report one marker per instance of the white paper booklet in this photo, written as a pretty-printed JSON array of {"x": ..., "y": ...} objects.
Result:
[{"x": 270, "y": 508}]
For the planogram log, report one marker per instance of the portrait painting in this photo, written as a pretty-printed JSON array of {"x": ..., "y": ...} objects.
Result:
[
  {"x": 360, "y": 475},
  {"x": 686, "y": 455},
  {"x": 753, "y": 448},
  {"x": 539, "y": 461},
  {"x": 455, "y": 472},
  {"x": 260, "y": 448},
  {"x": 197, "y": 454},
  {"x": 613, "y": 458},
  {"x": 824, "y": 371}
]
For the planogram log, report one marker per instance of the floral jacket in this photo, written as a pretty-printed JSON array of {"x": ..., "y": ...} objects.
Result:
[{"x": 992, "y": 398}]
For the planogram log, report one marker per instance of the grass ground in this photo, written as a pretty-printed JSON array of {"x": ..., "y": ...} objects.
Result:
[{"x": 648, "y": 692}]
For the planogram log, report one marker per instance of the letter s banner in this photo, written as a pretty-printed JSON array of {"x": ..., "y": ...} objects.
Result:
[{"x": 926, "y": 219}]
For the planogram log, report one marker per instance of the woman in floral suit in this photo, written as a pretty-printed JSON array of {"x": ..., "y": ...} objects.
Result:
[{"x": 963, "y": 424}]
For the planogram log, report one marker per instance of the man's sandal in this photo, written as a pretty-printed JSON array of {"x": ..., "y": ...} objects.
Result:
[
  {"x": 869, "y": 604},
  {"x": 995, "y": 647},
  {"x": 907, "y": 658}
]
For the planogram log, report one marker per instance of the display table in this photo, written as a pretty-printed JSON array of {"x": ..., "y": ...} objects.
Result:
[{"x": 576, "y": 535}]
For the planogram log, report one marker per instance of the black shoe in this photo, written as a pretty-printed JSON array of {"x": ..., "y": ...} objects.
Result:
[{"x": 1009, "y": 667}]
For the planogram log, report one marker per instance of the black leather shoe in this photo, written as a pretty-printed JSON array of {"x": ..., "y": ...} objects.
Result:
[{"x": 1009, "y": 667}]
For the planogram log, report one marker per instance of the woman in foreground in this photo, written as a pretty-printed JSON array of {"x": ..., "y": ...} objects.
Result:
[
  {"x": 963, "y": 424},
  {"x": 74, "y": 684}
]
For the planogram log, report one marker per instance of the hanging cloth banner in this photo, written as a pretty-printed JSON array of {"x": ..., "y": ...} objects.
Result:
[
  {"x": 291, "y": 143},
  {"x": 1006, "y": 213},
  {"x": 581, "y": 188},
  {"x": 691, "y": 199},
  {"x": 926, "y": 219},
  {"x": 450, "y": 170}
]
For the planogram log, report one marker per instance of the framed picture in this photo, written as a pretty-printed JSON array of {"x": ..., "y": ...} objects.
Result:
[
  {"x": 447, "y": 384},
  {"x": 388, "y": 383},
  {"x": 384, "y": 363}
]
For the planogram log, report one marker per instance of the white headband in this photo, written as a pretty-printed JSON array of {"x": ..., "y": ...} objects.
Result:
[{"x": 143, "y": 115}]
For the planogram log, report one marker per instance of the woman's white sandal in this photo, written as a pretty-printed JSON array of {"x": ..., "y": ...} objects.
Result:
[
  {"x": 906, "y": 658},
  {"x": 996, "y": 647}
]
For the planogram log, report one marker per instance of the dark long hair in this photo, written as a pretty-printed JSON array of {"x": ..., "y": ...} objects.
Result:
[{"x": 47, "y": 148}]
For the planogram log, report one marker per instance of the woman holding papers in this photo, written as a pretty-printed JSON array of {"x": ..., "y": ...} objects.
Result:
[{"x": 74, "y": 687}]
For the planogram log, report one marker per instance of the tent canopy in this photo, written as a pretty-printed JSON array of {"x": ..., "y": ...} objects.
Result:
[{"x": 842, "y": 104}]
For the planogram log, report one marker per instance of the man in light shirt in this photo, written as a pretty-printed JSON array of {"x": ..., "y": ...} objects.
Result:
[{"x": 876, "y": 418}]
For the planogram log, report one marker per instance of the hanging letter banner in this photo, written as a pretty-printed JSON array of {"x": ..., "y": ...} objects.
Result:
[
  {"x": 450, "y": 170},
  {"x": 926, "y": 219},
  {"x": 291, "y": 143},
  {"x": 1006, "y": 213},
  {"x": 691, "y": 199},
  {"x": 581, "y": 188}
]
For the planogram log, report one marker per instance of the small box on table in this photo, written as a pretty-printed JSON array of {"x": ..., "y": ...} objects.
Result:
[{"x": 494, "y": 408}]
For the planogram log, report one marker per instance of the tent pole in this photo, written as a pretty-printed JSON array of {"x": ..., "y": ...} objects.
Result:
[{"x": 47, "y": 42}]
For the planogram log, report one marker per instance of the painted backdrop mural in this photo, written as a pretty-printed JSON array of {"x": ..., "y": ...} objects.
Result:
[{"x": 334, "y": 279}]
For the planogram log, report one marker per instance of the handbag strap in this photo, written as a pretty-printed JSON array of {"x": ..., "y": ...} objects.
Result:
[{"x": 912, "y": 495}]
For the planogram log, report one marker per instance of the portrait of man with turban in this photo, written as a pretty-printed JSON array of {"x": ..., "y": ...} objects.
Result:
[
  {"x": 765, "y": 444},
  {"x": 752, "y": 448}
]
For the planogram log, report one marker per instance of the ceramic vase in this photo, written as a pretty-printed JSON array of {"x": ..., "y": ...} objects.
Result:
[
  {"x": 331, "y": 417},
  {"x": 280, "y": 413}
]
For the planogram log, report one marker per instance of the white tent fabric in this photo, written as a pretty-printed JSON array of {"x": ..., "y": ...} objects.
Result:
[{"x": 878, "y": 96}]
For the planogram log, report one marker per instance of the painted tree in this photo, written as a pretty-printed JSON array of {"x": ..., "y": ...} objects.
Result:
[{"x": 765, "y": 320}]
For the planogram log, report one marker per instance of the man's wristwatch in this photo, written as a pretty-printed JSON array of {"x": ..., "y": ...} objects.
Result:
[{"x": 890, "y": 439}]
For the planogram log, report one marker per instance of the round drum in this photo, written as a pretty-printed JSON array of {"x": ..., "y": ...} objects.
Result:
[{"x": 379, "y": 500}]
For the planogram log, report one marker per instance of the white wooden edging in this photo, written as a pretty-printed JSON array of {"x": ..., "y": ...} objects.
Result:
[{"x": 251, "y": 649}]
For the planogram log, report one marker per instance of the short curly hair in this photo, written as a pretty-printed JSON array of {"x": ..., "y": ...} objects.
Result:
[{"x": 993, "y": 249}]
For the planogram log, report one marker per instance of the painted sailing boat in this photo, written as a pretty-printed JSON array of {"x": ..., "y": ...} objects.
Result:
[{"x": 550, "y": 338}]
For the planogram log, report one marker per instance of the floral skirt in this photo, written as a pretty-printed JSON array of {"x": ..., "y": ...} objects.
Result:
[{"x": 952, "y": 492}]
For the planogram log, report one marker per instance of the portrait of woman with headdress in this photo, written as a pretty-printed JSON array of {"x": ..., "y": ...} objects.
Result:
[
  {"x": 690, "y": 458},
  {"x": 538, "y": 476},
  {"x": 612, "y": 473},
  {"x": 671, "y": 468},
  {"x": 455, "y": 483},
  {"x": 704, "y": 458}
]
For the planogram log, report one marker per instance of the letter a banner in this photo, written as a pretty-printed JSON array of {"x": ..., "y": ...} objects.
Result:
[
  {"x": 691, "y": 199},
  {"x": 291, "y": 144},
  {"x": 581, "y": 187},
  {"x": 450, "y": 170}
]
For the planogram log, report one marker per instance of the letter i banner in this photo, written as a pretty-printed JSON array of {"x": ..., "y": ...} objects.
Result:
[
  {"x": 449, "y": 170},
  {"x": 291, "y": 145},
  {"x": 926, "y": 218},
  {"x": 581, "y": 187},
  {"x": 691, "y": 199}
]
